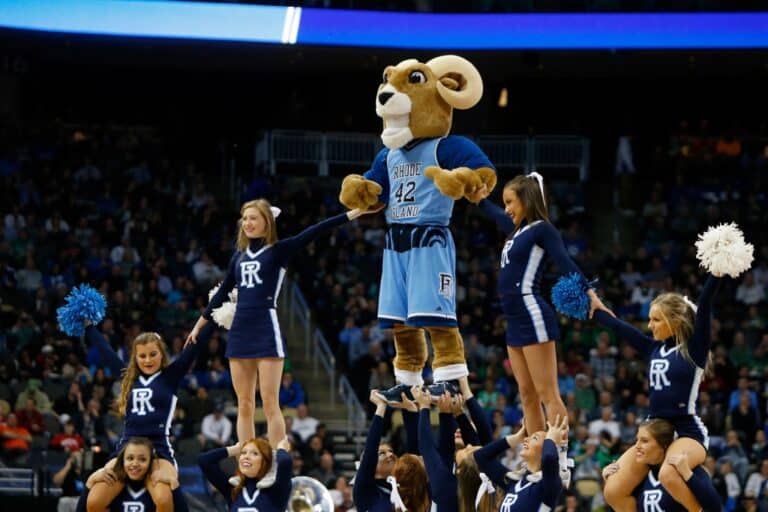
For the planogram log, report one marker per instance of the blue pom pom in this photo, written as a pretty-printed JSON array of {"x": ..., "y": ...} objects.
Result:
[
  {"x": 83, "y": 303},
  {"x": 569, "y": 295}
]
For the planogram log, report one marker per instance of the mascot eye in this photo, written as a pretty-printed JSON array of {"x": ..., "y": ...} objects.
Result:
[
  {"x": 417, "y": 77},
  {"x": 384, "y": 78}
]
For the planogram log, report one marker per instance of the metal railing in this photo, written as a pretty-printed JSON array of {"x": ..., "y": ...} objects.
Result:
[
  {"x": 18, "y": 481},
  {"x": 316, "y": 347},
  {"x": 357, "y": 150}
]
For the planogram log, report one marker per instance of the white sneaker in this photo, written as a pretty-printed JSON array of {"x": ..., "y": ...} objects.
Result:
[
  {"x": 268, "y": 480},
  {"x": 565, "y": 476},
  {"x": 234, "y": 481}
]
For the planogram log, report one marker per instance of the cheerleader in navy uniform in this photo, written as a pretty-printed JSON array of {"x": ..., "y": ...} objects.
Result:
[
  {"x": 255, "y": 346},
  {"x": 384, "y": 481},
  {"x": 531, "y": 322},
  {"x": 678, "y": 353},
  {"x": 254, "y": 459},
  {"x": 148, "y": 401},
  {"x": 537, "y": 486},
  {"x": 653, "y": 438},
  {"x": 132, "y": 469}
]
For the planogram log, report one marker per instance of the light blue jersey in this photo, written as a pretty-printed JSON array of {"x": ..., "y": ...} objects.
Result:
[{"x": 414, "y": 198}]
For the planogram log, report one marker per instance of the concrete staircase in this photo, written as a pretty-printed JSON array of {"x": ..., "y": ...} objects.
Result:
[{"x": 317, "y": 385}]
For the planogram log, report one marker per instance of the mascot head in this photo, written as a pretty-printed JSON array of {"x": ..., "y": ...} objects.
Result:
[{"x": 416, "y": 100}]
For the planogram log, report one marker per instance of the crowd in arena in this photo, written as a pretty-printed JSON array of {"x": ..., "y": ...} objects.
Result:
[{"x": 91, "y": 204}]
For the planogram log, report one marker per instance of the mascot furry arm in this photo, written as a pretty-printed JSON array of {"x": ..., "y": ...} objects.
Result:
[{"x": 416, "y": 101}]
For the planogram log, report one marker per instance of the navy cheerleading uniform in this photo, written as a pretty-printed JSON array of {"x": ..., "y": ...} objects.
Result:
[
  {"x": 258, "y": 274},
  {"x": 651, "y": 496},
  {"x": 370, "y": 494},
  {"x": 152, "y": 400},
  {"x": 674, "y": 380},
  {"x": 538, "y": 492},
  {"x": 530, "y": 319},
  {"x": 251, "y": 498},
  {"x": 135, "y": 498},
  {"x": 438, "y": 461}
]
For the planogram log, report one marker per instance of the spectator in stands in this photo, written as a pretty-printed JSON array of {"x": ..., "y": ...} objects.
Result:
[
  {"x": 734, "y": 453},
  {"x": 68, "y": 440},
  {"x": 304, "y": 425},
  {"x": 71, "y": 479},
  {"x": 30, "y": 418},
  {"x": 749, "y": 292},
  {"x": 756, "y": 480},
  {"x": 206, "y": 272},
  {"x": 602, "y": 358},
  {"x": 216, "y": 430},
  {"x": 732, "y": 484},
  {"x": 33, "y": 391},
  {"x": 744, "y": 419},
  {"x": 291, "y": 392},
  {"x": 15, "y": 439}
]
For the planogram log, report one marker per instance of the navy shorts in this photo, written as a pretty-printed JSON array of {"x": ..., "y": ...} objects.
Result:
[
  {"x": 690, "y": 426},
  {"x": 255, "y": 333},
  {"x": 162, "y": 445},
  {"x": 530, "y": 320}
]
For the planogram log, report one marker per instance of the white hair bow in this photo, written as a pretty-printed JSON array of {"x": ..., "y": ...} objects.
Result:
[
  {"x": 486, "y": 487},
  {"x": 540, "y": 179},
  {"x": 275, "y": 211},
  {"x": 690, "y": 303},
  {"x": 394, "y": 495}
]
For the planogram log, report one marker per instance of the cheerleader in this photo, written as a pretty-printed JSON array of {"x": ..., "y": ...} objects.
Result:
[
  {"x": 653, "y": 438},
  {"x": 255, "y": 346},
  {"x": 148, "y": 401},
  {"x": 678, "y": 354},
  {"x": 254, "y": 460},
  {"x": 531, "y": 322},
  {"x": 132, "y": 468},
  {"x": 537, "y": 486}
]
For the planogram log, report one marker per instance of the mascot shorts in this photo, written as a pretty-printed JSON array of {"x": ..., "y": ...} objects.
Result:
[{"x": 418, "y": 278}]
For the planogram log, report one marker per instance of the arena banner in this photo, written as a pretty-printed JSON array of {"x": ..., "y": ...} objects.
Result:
[{"x": 333, "y": 27}]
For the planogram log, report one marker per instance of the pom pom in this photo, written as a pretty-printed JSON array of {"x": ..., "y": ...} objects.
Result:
[
  {"x": 224, "y": 314},
  {"x": 722, "y": 250},
  {"x": 569, "y": 295},
  {"x": 83, "y": 303}
]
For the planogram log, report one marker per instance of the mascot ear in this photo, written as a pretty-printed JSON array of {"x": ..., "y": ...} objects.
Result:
[{"x": 449, "y": 83}]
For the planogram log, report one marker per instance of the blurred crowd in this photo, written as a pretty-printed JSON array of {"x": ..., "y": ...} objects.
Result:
[{"x": 118, "y": 208}]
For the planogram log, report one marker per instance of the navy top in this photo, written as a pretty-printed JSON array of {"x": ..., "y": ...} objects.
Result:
[
  {"x": 521, "y": 494},
  {"x": 524, "y": 251},
  {"x": 650, "y": 495},
  {"x": 258, "y": 271},
  {"x": 272, "y": 499},
  {"x": 439, "y": 460},
  {"x": 135, "y": 498},
  {"x": 152, "y": 400},
  {"x": 368, "y": 493},
  {"x": 674, "y": 381}
]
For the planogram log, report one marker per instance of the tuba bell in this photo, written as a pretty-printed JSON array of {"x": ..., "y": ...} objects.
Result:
[{"x": 309, "y": 495}]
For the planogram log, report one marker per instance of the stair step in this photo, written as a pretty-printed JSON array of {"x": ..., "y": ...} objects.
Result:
[{"x": 341, "y": 457}]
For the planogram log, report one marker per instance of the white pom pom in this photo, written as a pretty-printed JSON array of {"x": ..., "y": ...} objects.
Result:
[
  {"x": 224, "y": 315},
  {"x": 722, "y": 250}
]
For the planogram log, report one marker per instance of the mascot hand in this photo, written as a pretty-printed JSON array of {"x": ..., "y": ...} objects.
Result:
[
  {"x": 358, "y": 192},
  {"x": 449, "y": 183},
  {"x": 457, "y": 183},
  {"x": 487, "y": 184}
]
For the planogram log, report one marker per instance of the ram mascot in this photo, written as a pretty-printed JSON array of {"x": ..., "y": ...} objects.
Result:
[{"x": 418, "y": 176}]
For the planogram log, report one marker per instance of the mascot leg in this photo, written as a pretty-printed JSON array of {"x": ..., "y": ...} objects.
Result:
[
  {"x": 450, "y": 364},
  {"x": 410, "y": 358}
]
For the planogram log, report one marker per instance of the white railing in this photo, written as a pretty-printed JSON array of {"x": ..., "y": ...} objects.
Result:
[{"x": 357, "y": 150}]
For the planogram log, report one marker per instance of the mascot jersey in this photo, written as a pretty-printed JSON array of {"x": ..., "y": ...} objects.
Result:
[
  {"x": 418, "y": 274},
  {"x": 411, "y": 197}
]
